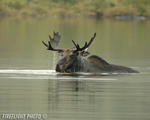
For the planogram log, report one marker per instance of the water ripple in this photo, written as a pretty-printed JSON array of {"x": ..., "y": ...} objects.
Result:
[{"x": 52, "y": 75}]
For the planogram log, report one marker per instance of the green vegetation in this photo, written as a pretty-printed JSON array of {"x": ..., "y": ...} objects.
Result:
[{"x": 73, "y": 8}]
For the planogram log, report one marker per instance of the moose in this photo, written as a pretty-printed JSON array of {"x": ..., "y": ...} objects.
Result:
[{"x": 75, "y": 59}]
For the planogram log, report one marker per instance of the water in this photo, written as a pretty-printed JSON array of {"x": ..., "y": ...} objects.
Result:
[{"x": 30, "y": 85}]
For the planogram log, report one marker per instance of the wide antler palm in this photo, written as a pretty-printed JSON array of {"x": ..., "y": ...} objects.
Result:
[{"x": 53, "y": 42}]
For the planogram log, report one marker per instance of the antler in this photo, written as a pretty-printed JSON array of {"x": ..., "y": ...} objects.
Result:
[
  {"x": 53, "y": 42},
  {"x": 50, "y": 47},
  {"x": 85, "y": 46}
]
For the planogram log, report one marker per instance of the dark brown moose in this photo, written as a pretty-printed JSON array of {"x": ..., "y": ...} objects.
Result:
[{"x": 75, "y": 60}]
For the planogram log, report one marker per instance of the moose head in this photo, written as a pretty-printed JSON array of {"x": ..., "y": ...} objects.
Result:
[{"x": 71, "y": 57}]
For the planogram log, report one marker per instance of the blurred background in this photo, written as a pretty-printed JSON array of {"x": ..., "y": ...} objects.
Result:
[{"x": 73, "y": 8}]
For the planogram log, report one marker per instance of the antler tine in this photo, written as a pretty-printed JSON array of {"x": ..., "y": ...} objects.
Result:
[
  {"x": 78, "y": 47},
  {"x": 44, "y": 43},
  {"x": 50, "y": 47},
  {"x": 52, "y": 44},
  {"x": 74, "y": 43},
  {"x": 85, "y": 46},
  {"x": 91, "y": 40},
  {"x": 50, "y": 37}
]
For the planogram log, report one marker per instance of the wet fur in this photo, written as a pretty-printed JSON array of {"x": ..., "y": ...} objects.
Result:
[{"x": 95, "y": 64}]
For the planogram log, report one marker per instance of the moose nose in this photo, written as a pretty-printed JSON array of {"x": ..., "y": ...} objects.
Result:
[{"x": 58, "y": 68}]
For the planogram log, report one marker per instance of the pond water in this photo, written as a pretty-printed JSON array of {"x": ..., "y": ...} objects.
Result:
[{"x": 30, "y": 85}]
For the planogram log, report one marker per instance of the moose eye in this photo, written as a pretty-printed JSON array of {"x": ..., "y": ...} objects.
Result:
[
  {"x": 60, "y": 54},
  {"x": 72, "y": 56}
]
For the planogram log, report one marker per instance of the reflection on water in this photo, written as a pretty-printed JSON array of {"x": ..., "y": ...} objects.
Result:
[
  {"x": 75, "y": 97},
  {"x": 29, "y": 86}
]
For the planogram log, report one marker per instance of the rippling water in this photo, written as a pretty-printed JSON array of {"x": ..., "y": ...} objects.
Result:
[
  {"x": 76, "y": 96},
  {"x": 29, "y": 85}
]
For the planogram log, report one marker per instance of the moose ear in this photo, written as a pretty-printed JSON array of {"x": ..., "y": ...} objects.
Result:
[
  {"x": 84, "y": 53},
  {"x": 60, "y": 53}
]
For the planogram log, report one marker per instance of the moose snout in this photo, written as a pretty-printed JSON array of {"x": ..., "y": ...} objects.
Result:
[{"x": 58, "y": 68}]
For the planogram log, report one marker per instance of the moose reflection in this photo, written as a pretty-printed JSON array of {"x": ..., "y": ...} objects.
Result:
[{"x": 75, "y": 59}]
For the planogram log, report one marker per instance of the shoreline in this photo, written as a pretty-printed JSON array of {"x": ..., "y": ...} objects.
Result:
[
  {"x": 121, "y": 17},
  {"x": 125, "y": 10}
]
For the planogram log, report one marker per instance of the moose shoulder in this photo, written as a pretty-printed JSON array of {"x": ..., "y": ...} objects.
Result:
[{"x": 74, "y": 60}]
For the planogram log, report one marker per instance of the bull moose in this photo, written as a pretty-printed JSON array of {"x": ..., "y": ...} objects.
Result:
[{"x": 75, "y": 59}]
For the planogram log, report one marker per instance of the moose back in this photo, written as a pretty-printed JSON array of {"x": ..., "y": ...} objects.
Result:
[{"x": 75, "y": 59}]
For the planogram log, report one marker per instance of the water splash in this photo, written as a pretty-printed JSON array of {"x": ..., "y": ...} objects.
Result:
[
  {"x": 54, "y": 60},
  {"x": 48, "y": 54}
]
